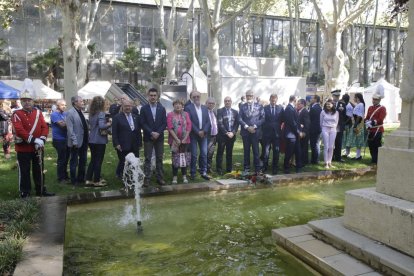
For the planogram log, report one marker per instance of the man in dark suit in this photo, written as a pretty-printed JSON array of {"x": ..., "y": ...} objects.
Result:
[
  {"x": 341, "y": 108},
  {"x": 153, "y": 121},
  {"x": 227, "y": 123},
  {"x": 200, "y": 128},
  {"x": 271, "y": 130},
  {"x": 251, "y": 119},
  {"x": 315, "y": 128},
  {"x": 126, "y": 135},
  {"x": 292, "y": 135},
  {"x": 304, "y": 123},
  {"x": 114, "y": 108}
]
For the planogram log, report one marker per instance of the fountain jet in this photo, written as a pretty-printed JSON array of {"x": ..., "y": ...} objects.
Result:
[{"x": 134, "y": 176}]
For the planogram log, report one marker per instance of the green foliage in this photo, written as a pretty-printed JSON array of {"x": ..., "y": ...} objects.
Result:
[
  {"x": 17, "y": 219},
  {"x": 131, "y": 62},
  {"x": 50, "y": 61},
  {"x": 7, "y": 9}
]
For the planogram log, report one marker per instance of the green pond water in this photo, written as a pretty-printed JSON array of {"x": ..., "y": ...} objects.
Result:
[{"x": 220, "y": 233}]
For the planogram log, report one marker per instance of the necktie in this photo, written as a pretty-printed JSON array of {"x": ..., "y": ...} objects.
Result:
[
  {"x": 131, "y": 123},
  {"x": 213, "y": 123},
  {"x": 250, "y": 108},
  {"x": 273, "y": 110},
  {"x": 230, "y": 119}
]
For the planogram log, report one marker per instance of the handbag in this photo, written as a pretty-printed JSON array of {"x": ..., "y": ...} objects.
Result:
[
  {"x": 180, "y": 158},
  {"x": 104, "y": 132}
]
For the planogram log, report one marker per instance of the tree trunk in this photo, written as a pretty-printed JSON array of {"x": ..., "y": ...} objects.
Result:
[
  {"x": 398, "y": 53},
  {"x": 83, "y": 62},
  {"x": 333, "y": 60},
  {"x": 214, "y": 64},
  {"x": 171, "y": 60},
  {"x": 353, "y": 69},
  {"x": 300, "y": 62},
  {"x": 70, "y": 42}
]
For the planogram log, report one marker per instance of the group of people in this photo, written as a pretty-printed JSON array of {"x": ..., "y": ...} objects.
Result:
[
  {"x": 194, "y": 132},
  {"x": 339, "y": 123}
]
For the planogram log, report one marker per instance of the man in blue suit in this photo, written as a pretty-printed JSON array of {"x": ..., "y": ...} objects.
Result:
[
  {"x": 271, "y": 133},
  {"x": 201, "y": 125},
  {"x": 315, "y": 128},
  {"x": 292, "y": 135},
  {"x": 251, "y": 119},
  {"x": 153, "y": 121},
  {"x": 126, "y": 135}
]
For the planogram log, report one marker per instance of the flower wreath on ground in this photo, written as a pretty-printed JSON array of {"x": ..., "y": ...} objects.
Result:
[{"x": 252, "y": 178}]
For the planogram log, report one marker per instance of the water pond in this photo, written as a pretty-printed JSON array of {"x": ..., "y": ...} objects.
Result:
[{"x": 220, "y": 233}]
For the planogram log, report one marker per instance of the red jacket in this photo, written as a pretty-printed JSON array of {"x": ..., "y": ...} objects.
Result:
[
  {"x": 23, "y": 122},
  {"x": 378, "y": 117}
]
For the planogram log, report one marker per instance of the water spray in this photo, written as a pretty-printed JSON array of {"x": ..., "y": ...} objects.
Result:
[{"x": 133, "y": 176}]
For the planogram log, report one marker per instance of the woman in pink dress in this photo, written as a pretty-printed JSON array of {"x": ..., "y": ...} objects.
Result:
[{"x": 179, "y": 127}]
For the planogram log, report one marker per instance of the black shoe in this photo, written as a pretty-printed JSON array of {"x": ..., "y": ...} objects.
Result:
[
  {"x": 286, "y": 172},
  {"x": 24, "y": 195},
  {"x": 205, "y": 176},
  {"x": 161, "y": 182},
  {"x": 45, "y": 193},
  {"x": 192, "y": 177},
  {"x": 357, "y": 158}
]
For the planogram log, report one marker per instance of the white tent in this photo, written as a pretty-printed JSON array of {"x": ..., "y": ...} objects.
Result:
[
  {"x": 94, "y": 88},
  {"x": 391, "y": 100},
  {"x": 44, "y": 92},
  {"x": 41, "y": 91}
]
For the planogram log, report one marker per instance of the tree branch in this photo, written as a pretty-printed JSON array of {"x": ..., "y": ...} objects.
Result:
[{"x": 234, "y": 15}]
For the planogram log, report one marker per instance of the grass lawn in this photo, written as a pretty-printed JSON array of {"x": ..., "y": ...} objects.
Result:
[{"x": 9, "y": 171}]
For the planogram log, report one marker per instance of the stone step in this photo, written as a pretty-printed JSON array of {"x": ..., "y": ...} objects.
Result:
[
  {"x": 380, "y": 256},
  {"x": 381, "y": 217},
  {"x": 322, "y": 257}
]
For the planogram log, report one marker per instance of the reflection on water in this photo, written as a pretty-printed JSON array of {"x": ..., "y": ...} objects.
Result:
[{"x": 224, "y": 233}]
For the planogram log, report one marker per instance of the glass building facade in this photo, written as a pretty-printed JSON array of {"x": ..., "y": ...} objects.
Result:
[{"x": 34, "y": 31}]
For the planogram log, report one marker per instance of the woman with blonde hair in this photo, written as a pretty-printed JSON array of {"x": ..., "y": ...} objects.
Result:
[
  {"x": 5, "y": 127},
  {"x": 98, "y": 138}
]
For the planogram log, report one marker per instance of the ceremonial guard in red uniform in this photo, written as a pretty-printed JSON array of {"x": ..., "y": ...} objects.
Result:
[
  {"x": 31, "y": 132},
  {"x": 374, "y": 123}
]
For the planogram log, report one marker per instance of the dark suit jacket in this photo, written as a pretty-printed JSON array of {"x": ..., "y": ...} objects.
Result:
[
  {"x": 315, "y": 117},
  {"x": 251, "y": 118},
  {"x": 123, "y": 135},
  {"x": 223, "y": 122},
  {"x": 304, "y": 120},
  {"x": 290, "y": 117},
  {"x": 341, "y": 108},
  {"x": 205, "y": 124},
  {"x": 150, "y": 125},
  {"x": 114, "y": 109},
  {"x": 272, "y": 125}
]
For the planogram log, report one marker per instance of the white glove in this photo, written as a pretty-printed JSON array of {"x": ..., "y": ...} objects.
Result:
[
  {"x": 39, "y": 143},
  {"x": 368, "y": 124}
]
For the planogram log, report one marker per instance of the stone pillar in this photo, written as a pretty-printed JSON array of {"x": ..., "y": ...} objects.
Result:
[
  {"x": 386, "y": 213},
  {"x": 395, "y": 175}
]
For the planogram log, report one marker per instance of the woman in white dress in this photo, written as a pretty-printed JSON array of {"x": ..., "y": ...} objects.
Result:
[{"x": 329, "y": 121}]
